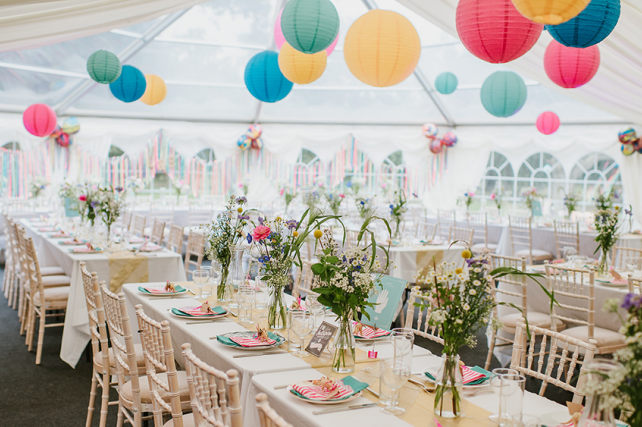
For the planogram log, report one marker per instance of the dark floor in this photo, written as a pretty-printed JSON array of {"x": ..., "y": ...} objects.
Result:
[{"x": 54, "y": 394}]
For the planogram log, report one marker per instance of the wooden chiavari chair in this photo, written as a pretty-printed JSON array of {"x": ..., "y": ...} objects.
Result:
[
  {"x": 445, "y": 220},
  {"x": 195, "y": 248},
  {"x": 423, "y": 329},
  {"x": 215, "y": 395},
  {"x": 305, "y": 281},
  {"x": 635, "y": 285},
  {"x": 579, "y": 286},
  {"x": 200, "y": 212},
  {"x": 158, "y": 232},
  {"x": 478, "y": 221},
  {"x": 521, "y": 236},
  {"x": 425, "y": 231},
  {"x": 554, "y": 357},
  {"x": 620, "y": 253},
  {"x": 567, "y": 236},
  {"x": 138, "y": 225},
  {"x": 169, "y": 390},
  {"x": 162, "y": 210},
  {"x": 175, "y": 240},
  {"x": 461, "y": 235},
  {"x": 18, "y": 273},
  {"x": 267, "y": 415},
  {"x": 127, "y": 220},
  {"x": 11, "y": 264}
]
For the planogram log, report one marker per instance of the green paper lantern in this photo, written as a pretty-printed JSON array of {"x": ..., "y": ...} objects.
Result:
[
  {"x": 446, "y": 83},
  {"x": 310, "y": 26},
  {"x": 104, "y": 67},
  {"x": 503, "y": 93}
]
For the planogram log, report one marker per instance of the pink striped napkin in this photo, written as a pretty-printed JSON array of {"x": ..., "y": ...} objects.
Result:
[
  {"x": 135, "y": 239},
  {"x": 316, "y": 392},
  {"x": 369, "y": 332},
  {"x": 72, "y": 242},
  {"x": 45, "y": 229},
  {"x": 251, "y": 342},
  {"x": 150, "y": 247},
  {"x": 193, "y": 311},
  {"x": 156, "y": 290},
  {"x": 84, "y": 249},
  {"x": 468, "y": 375},
  {"x": 61, "y": 234}
]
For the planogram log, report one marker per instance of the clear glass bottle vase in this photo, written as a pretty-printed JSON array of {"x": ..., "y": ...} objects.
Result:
[
  {"x": 594, "y": 414},
  {"x": 604, "y": 264},
  {"x": 344, "y": 347},
  {"x": 277, "y": 310},
  {"x": 449, "y": 387}
]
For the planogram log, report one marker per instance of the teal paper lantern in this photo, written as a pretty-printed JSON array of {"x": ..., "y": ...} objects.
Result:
[
  {"x": 446, "y": 83},
  {"x": 310, "y": 26},
  {"x": 130, "y": 86},
  {"x": 264, "y": 79},
  {"x": 503, "y": 93},
  {"x": 590, "y": 27},
  {"x": 103, "y": 67}
]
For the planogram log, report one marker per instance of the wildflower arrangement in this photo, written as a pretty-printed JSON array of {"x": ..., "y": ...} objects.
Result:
[
  {"x": 67, "y": 191},
  {"x": 606, "y": 225},
  {"x": 110, "y": 204},
  {"x": 570, "y": 201},
  {"x": 334, "y": 200},
  {"x": 397, "y": 210},
  {"x": 89, "y": 200},
  {"x": 497, "y": 198},
  {"x": 628, "y": 213},
  {"x": 180, "y": 187},
  {"x": 37, "y": 186},
  {"x": 604, "y": 200},
  {"x": 244, "y": 186},
  {"x": 356, "y": 184},
  {"x": 135, "y": 185},
  {"x": 530, "y": 195},
  {"x": 311, "y": 198},
  {"x": 288, "y": 195},
  {"x": 468, "y": 199},
  {"x": 365, "y": 207},
  {"x": 225, "y": 232}
]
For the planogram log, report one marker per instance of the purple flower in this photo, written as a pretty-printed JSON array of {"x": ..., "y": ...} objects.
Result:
[
  {"x": 292, "y": 224},
  {"x": 94, "y": 203},
  {"x": 119, "y": 189},
  {"x": 261, "y": 220},
  {"x": 244, "y": 217},
  {"x": 241, "y": 200},
  {"x": 249, "y": 238},
  {"x": 631, "y": 300}
]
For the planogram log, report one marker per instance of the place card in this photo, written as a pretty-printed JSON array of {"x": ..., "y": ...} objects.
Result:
[
  {"x": 386, "y": 302},
  {"x": 321, "y": 339}
]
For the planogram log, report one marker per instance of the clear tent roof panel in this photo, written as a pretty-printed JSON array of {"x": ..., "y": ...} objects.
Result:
[{"x": 23, "y": 88}]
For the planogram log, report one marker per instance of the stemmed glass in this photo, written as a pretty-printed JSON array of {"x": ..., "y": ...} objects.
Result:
[
  {"x": 246, "y": 296},
  {"x": 200, "y": 277},
  {"x": 302, "y": 323},
  {"x": 496, "y": 383},
  {"x": 206, "y": 291},
  {"x": 316, "y": 309},
  {"x": 402, "y": 340},
  {"x": 633, "y": 263},
  {"x": 394, "y": 374}
]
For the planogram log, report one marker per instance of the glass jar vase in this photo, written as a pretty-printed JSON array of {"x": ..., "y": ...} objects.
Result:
[
  {"x": 344, "y": 347},
  {"x": 449, "y": 387}
]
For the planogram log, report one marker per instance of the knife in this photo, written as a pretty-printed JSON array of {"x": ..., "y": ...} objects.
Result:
[
  {"x": 372, "y": 391},
  {"x": 345, "y": 408},
  {"x": 238, "y": 356}
]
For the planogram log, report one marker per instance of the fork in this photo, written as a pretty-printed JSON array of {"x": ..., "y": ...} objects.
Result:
[{"x": 421, "y": 385}]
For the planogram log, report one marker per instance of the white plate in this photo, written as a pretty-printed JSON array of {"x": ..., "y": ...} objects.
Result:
[
  {"x": 381, "y": 338},
  {"x": 555, "y": 418},
  {"x": 188, "y": 317},
  {"x": 466, "y": 387},
  {"x": 324, "y": 402},
  {"x": 259, "y": 348},
  {"x": 168, "y": 294},
  {"x": 612, "y": 285}
]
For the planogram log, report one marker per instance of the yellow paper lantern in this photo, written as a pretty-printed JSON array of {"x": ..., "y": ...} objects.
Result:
[
  {"x": 156, "y": 90},
  {"x": 301, "y": 68},
  {"x": 382, "y": 48},
  {"x": 550, "y": 12}
]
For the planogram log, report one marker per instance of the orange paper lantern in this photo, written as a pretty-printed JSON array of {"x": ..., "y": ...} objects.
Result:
[
  {"x": 301, "y": 68},
  {"x": 156, "y": 90},
  {"x": 551, "y": 12}
]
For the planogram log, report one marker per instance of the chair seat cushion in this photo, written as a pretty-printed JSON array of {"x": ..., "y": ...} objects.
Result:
[
  {"x": 481, "y": 247},
  {"x": 52, "y": 271},
  {"x": 604, "y": 337},
  {"x": 188, "y": 421},
  {"x": 58, "y": 294},
  {"x": 140, "y": 359},
  {"x": 535, "y": 318},
  {"x": 51, "y": 281},
  {"x": 537, "y": 253},
  {"x": 145, "y": 395}
]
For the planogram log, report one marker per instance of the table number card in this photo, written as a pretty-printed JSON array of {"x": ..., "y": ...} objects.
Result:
[
  {"x": 321, "y": 338},
  {"x": 387, "y": 302},
  {"x": 537, "y": 208}
]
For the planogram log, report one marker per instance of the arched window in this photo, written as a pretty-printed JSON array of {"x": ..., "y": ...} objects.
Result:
[
  {"x": 307, "y": 168},
  {"x": 595, "y": 170},
  {"x": 499, "y": 179},
  {"x": 12, "y": 145},
  {"x": 207, "y": 155},
  {"x": 393, "y": 169},
  {"x": 544, "y": 172},
  {"x": 115, "y": 151}
]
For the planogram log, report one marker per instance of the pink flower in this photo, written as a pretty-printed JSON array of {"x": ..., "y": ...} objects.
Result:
[
  {"x": 261, "y": 232},
  {"x": 82, "y": 198},
  {"x": 471, "y": 194},
  {"x": 342, "y": 195},
  {"x": 240, "y": 185},
  {"x": 493, "y": 196},
  {"x": 282, "y": 191},
  {"x": 384, "y": 185}
]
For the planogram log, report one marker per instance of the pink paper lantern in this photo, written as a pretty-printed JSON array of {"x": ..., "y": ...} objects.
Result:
[
  {"x": 39, "y": 120},
  {"x": 571, "y": 67},
  {"x": 279, "y": 38},
  {"x": 547, "y": 122},
  {"x": 494, "y": 31}
]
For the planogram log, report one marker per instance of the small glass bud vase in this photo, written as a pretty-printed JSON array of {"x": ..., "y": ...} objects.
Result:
[
  {"x": 344, "y": 347},
  {"x": 449, "y": 387}
]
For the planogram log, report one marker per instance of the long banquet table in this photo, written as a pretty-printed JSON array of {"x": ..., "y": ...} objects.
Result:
[
  {"x": 261, "y": 373},
  {"x": 112, "y": 268}
]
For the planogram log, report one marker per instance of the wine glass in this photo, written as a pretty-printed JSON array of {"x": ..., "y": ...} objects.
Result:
[
  {"x": 302, "y": 323},
  {"x": 200, "y": 277},
  {"x": 496, "y": 383},
  {"x": 633, "y": 263},
  {"x": 402, "y": 340},
  {"x": 261, "y": 294},
  {"x": 316, "y": 309},
  {"x": 246, "y": 296},
  {"x": 579, "y": 261},
  {"x": 394, "y": 374}
]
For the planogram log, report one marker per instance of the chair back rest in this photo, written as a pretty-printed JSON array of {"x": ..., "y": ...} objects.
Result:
[
  {"x": 561, "y": 356},
  {"x": 520, "y": 232},
  {"x": 445, "y": 219},
  {"x": 521, "y": 293},
  {"x": 635, "y": 285},
  {"x": 620, "y": 254},
  {"x": 423, "y": 329},
  {"x": 175, "y": 240},
  {"x": 138, "y": 226},
  {"x": 8, "y": 252},
  {"x": 127, "y": 219},
  {"x": 352, "y": 239},
  {"x": 13, "y": 237},
  {"x": 122, "y": 344},
  {"x": 156, "y": 341},
  {"x": 162, "y": 210},
  {"x": 33, "y": 271},
  {"x": 578, "y": 286},
  {"x": 158, "y": 232},
  {"x": 198, "y": 218},
  {"x": 464, "y": 235},
  {"x": 268, "y": 416},
  {"x": 96, "y": 313},
  {"x": 214, "y": 394},
  {"x": 202, "y": 204},
  {"x": 478, "y": 221},
  {"x": 425, "y": 230},
  {"x": 305, "y": 281},
  {"x": 567, "y": 235},
  {"x": 195, "y": 247}
]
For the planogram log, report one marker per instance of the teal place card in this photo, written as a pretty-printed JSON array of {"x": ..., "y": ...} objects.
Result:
[
  {"x": 387, "y": 301},
  {"x": 537, "y": 208}
]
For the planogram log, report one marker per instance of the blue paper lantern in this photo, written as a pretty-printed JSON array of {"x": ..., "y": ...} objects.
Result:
[
  {"x": 130, "y": 86},
  {"x": 503, "y": 93},
  {"x": 590, "y": 27},
  {"x": 264, "y": 78},
  {"x": 446, "y": 83}
]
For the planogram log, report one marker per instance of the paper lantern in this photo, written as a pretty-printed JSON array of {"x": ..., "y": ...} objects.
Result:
[
  {"x": 279, "y": 39},
  {"x": 130, "y": 86},
  {"x": 435, "y": 146},
  {"x": 156, "y": 90},
  {"x": 503, "y": 93},
  {"x": 627, "y": 136},
  {"x": 103, "y": 67},
  {"x": 547, "y": 122},
  {"x": 627, "y": 149},
  {"x": 244, "y": 142},
  {"x": 429, "y": 130},
  {"x": 570, "y": 67},
  {"x": 382, "y": 48},
  {"x": 264, "y": 79},
  {"x": 449, "y": 139},
  {"x": 446, "y": 83},
  {"x": 39, "y": 119},
  {"x": 310, "y": 26},
  {"x": 71, "y": 125},
  {"x": 494, "y": 31},
  {"x": 590, "y": 27},
  {"x": 552, "y": 12},
  {"x": 301, "y": 68}
]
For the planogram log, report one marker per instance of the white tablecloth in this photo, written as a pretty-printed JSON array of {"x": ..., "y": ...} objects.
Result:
[
  {"x": 404, "y": 258},
  {"x": 162, "y": 265}
]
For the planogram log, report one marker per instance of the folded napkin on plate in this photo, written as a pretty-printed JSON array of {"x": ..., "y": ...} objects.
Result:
[
  {"x": 470, "y": 376},
  {"x": 196, "y": 311},
  {"x": 60, "y": 234},
  {"x": 365, "y": 331},
  {"x": 345, "y": 389},
  {"x": 85, "y": 249},
  {"x": 150, "y": 247},
  {"x": 251, "y": 342},
  {"x": 44, "y": 229},
  {"x": 159, "y": 290},
  {"x": 73, "y": 242},
  {"x": 228, "y": 340},
  {"x": 135, "y": 239},
  {"x": 614, "y": 281}
]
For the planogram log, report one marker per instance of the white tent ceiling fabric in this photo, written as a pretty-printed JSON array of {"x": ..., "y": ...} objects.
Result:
[{"x": 616, "y": 86}]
